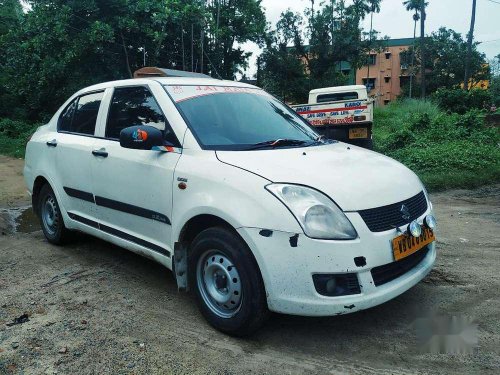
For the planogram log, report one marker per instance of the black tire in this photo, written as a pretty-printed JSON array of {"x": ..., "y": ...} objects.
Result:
[
  {"x": 50, "y": 217},
  {"x": 251, "y": 311}
]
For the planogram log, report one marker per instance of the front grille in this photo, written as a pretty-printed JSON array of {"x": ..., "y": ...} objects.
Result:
[
  {"x": 388, "y": 217},
  {"x": 388, "y": 272}
]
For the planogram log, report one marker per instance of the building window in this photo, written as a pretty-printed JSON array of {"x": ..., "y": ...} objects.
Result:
[
  {"x": 387, "y": 79},
  {"x": 387, "y": 55},
  {"x": 372, "y": 59},
  {"x": 405, "y": 59},
  {"x": 386, "y": 101},
  {"x": 369, "y": 83}
]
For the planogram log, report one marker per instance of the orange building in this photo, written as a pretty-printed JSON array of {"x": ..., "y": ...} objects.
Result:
[{"x": 389, "y": 70}]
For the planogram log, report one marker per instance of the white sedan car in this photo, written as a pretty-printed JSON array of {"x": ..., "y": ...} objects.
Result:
[{"x": 233, "y": 191}]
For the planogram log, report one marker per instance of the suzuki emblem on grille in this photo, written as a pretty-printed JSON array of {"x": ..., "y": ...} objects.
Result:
[{"x": 405, "y": 212}]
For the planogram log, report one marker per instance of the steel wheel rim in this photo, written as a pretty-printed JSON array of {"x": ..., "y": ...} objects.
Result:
[
  {"x": 50, "y": 215},
  {"x": 219, "y": 284}
]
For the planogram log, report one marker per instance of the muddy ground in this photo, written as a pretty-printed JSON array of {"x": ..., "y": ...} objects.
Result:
[{"x": 95, "y": 308}]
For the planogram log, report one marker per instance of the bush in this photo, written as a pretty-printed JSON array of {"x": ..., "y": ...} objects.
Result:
[
  {"x": 445, "y": 150},
  {"x": 14, "y": 136},
  {"x": 460, "y": 101}
]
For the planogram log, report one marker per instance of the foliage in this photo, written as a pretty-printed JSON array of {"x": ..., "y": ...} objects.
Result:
[
  {"x": 445, "y": 150},
  {"x": 61, "y": 46},
  {"x": 460, "y": 101},
  {"x": 289, "y": 68},
  {"x": 14, "y": 135},
  {"x": 495, "y": 90},
  {"x": 445, "y": 63}
]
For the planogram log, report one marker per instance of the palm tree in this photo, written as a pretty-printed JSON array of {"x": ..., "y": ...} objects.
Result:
[
  {"x": 413, "y": 5},
  {"x": 374, "y": 7}
]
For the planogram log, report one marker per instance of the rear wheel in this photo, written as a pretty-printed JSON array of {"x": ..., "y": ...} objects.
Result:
[
  {"x": 50, "y": 217},
  {"x": 227, "y": 282}
]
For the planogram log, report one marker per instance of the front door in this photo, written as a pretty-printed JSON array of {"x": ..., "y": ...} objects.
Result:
[{"x": 133, "y": 188}]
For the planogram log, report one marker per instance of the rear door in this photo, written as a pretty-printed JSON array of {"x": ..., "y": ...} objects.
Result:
[
  {"x": 74, "y": 144},
  {"x": 133, "y": 188}
]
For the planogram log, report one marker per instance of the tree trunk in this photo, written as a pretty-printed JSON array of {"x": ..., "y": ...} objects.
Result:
[
  {"x": 422, "y": 48},
  {"x": 469, "y": 46},
  {"x": 126, "y": 55}
]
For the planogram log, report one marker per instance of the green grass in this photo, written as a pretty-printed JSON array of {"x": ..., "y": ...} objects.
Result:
[{"x": 445, "y": 150}]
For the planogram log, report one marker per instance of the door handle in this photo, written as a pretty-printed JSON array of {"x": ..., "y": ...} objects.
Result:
[
  {"x": 101, "y": 152},
  {"x": 52, "y": 143}
]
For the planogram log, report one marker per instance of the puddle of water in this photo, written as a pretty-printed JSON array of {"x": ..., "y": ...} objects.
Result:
[{"x": 18, "y": 220}]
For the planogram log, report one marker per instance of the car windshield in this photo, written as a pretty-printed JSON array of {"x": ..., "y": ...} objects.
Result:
[{"x": 238, "y": 118}]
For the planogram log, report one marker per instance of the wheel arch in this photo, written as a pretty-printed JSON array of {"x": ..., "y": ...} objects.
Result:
[
  {"x": 37, "y": 186},
  {"x": 188, "y": 233}
]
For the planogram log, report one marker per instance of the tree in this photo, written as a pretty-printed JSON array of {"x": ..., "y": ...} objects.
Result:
[
  {"x": 10, "y": 17},
  {"x": 60, "y": 46},
  {"x": 374, "y": 7},
  {"x": 290, "y": 68},
  {"x": 469, "y": 45},
  {"x": 231, "y": 23},
  {"x": 445, "y": 51},
  {"x": 280, "y": 69},
  {"x": 413, "y": 5}
]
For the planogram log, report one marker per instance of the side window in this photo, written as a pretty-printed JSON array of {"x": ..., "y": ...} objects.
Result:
[
  {"x": 80, "y": 115},
  {"x": 67, "y": 116},
  {"x": 132, "y": 106}
]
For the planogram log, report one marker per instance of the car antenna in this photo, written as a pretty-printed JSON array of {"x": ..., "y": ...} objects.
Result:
[{"x": 213, "y": 66}]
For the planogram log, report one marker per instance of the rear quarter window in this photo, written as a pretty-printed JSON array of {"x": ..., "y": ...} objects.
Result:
[{"x": 80, "y": 115}]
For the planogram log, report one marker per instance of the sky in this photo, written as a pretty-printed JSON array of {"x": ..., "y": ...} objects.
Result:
[{"x": 395, "y": 22}]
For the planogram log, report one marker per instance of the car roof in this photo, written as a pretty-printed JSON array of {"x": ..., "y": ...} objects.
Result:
[{"x": 189, "y": 81}]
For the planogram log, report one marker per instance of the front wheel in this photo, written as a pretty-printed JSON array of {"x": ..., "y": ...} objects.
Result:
[{"x": 227, "y": 282}]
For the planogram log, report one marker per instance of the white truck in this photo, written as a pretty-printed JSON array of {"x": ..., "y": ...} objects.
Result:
[{"x": 344, "y": 113}]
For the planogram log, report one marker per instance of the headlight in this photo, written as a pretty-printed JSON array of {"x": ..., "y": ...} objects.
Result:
[{"x": 318, "y": 216}]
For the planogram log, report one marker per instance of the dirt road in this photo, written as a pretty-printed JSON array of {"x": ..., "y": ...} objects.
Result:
[{"x": 95, "y": 308}]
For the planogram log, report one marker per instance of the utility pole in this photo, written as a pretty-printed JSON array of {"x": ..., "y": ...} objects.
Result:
[
  {"x": 469, "y": 46},
  {"x": 370, "y": 48},
  {"x": 422, "y": 48},
  {"x": 182, "y": 43},
  {"x": 412, "y": 72},
  {"x": 192, "y": 48},
  {"x": 201, "y": 40}
]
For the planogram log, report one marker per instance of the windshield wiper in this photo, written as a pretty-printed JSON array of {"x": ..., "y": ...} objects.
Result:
[{"x": 277, "y": 143}]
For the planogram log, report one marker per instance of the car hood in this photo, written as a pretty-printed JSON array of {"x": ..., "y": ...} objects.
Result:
[{"x": 355, "y": 178}]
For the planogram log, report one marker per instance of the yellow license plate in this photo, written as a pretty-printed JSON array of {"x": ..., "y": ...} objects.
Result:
[
  {"x": 358, "y": 133},
  {"x": 405, "y": 245}
]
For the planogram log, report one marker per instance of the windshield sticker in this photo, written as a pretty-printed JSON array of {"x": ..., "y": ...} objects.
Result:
[{"x": 180, "y": 93}]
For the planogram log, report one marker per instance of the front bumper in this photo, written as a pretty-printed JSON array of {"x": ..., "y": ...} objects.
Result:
[{"x": 287, "y": 264}]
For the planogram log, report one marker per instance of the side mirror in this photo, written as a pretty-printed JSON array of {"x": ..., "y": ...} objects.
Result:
[{"x": 141, "y": 137}]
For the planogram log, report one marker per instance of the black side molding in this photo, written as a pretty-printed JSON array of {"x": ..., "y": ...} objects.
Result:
[
  {"x": 83, "y": 220},
  {"x": 131, "y": 209},
  {"x": 138, "y": 241},
  {"x": 120, "y": 234},
  {"x": 117, "y": 205},
  {"x": 79, "y": 194}
]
